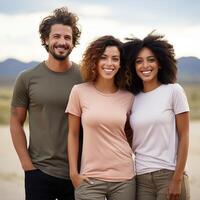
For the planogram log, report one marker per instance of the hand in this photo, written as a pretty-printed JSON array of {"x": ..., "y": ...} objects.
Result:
[
  {"x": 28, "y": 167},
  {"x": 174, "y": 190},
  {"x": 78, "y": 179}
]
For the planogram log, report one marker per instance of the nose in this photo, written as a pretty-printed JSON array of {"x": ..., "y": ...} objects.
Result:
[
  {"x": 145, "y": 64},
  {"x": 62, "y": 41},
  {"x": 109, "y": 62}
]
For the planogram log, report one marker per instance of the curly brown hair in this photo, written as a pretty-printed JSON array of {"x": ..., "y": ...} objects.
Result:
[
  {"x": 59, "y": 16},
  {"x": 164, "y": 53},
  {"x": 93, "y": 54}
]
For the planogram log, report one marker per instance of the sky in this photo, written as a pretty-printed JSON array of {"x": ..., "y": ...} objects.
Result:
[{"x": 178, "y": 20}]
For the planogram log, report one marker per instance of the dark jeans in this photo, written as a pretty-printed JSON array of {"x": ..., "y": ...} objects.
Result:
[{"x": 41, "y": 186}]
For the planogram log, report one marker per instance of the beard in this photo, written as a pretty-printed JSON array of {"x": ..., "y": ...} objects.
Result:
[{"x": 60, "y": 57}]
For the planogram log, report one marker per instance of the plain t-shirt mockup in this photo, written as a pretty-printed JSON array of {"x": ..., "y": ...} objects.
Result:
[
  {"x": 45, "y": 94},
  {"x": 106, "y": 154},
  {"x": 155, "y": 137}
]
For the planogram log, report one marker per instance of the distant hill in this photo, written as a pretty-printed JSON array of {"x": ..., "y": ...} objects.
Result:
[
  {"x": 11, "y": 67},
  {"x": 188, "y": 70}
]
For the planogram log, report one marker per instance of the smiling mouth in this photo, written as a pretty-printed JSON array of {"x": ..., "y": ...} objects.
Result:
[
  {"x": 146, "y": 73},
  {"x": 108, "y": 69}
]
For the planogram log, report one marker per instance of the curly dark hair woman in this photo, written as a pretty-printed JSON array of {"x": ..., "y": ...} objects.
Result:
[
  {"x": 93, "y": 54},
  {"x": 163, "y": 52},
  {"x": 159, "y": 119}
]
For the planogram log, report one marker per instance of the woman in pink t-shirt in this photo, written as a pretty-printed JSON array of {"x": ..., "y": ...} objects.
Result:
[{"x": 103, "y": 108}]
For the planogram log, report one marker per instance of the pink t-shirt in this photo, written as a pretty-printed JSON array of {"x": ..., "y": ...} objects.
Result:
[{"x": 106, "y": 154}]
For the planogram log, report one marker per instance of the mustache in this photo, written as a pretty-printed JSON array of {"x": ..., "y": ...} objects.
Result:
[{"x": 61, "y": 46}]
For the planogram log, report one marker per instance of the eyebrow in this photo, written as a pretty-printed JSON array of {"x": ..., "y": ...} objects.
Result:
[
  {"x": 112, "y": 56},
  {"x": 147, "y": 57}
]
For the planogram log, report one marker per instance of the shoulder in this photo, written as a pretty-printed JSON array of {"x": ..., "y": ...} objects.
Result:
[
  {"x": 126, "y": 93},
  {"x": 174, "y": 87},
  {"x": 175, "y": 91},
  {"x": 82, "y": 86},
  {"x": 27, "y": 73},
  {"x": 171, "y": 87}
]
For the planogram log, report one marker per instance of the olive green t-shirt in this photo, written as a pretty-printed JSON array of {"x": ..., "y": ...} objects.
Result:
[{"x": 45, "y": 94}]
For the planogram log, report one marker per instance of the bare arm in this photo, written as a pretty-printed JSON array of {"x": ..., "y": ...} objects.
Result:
[
  {"x": 73, "y": 149},
  {"x": 182, "y": 124},
  {"x": 18, "y": 116},
  {"x": 73, "y": 143}
]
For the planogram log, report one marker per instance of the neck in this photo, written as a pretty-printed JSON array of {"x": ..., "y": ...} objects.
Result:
[
  {"x": 105, "y": 86},
  {"x": 150, "y": 86},
  {"x": 58, "y": 65}
]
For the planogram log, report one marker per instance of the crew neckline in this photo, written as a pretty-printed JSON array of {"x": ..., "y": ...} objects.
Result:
[
  {"x": 54, "y": 72},
  {"x": 154, "y": 90},
  {"x": 105, "y": 94}
]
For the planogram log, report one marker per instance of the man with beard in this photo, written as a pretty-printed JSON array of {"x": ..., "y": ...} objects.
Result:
[{"x": 43, "y": 92}]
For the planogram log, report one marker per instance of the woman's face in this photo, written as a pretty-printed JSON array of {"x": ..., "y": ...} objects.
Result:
[
  {"x": 109, "y": 63},
  {"x": 147, "y": 66}
]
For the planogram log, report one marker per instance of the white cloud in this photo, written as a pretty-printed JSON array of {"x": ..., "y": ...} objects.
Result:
[
  {"x": 95, "y": 10},
  {"x": 20, "y": 38}
]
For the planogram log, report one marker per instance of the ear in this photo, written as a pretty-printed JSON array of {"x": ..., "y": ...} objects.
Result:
[{"x": 46, "y": 41}]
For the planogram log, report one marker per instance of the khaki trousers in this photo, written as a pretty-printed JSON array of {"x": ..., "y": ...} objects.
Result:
[
  {"x": 102, "y": 189},
  {"x": 154, "y": 185}
]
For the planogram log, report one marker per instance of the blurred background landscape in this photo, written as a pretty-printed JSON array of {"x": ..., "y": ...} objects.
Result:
[
  {"x": 21, "y": 48},
  {"x": 11, "y": 174},
  {"x": 188, "y": 77}
]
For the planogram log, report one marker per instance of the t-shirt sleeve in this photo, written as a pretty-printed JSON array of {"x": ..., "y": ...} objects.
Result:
[
  {"x": 20, "y": 93},
  {"x": 180, "y": 103},
  {"x": 73, "y": 106}
]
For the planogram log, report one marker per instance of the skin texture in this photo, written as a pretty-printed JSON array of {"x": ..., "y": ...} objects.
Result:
[
  {"x": 18, "y": 116},
  {"x": 108, "y": 64},
  {"x": 60, "y": 41},
  {"x": 147, "y": 68}
]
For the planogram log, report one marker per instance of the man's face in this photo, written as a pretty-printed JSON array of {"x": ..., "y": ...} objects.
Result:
[{"x": 60, "y": 41}]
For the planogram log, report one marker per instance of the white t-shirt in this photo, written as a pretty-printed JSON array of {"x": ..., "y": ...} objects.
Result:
[{"x": 155, "y": 138}]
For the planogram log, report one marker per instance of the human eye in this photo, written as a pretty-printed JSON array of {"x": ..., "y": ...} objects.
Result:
[
  {"x": 138, "y": 61},
  {"x": 115, "y": 58},
  {"x": 68, "y": 37},
  {"x": 55, "y": 36},
  {"x": 152, "y": 59},
  {"x": 102, "y": 57}
]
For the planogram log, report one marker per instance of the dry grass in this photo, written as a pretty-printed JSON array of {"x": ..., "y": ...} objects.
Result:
[{"x": 192, "y": 92}]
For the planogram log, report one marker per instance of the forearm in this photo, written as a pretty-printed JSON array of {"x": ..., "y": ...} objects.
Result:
[
  {"x": 182, "y": 124},
  {"x": 181, "y": 157},
  {"x": 18, "y": 116},
  {"x": 20, "y": 144},
  {"x": 73, "y": 149}
]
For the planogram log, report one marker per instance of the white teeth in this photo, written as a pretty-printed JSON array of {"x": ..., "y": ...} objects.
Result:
[
  {"x": 108, "y": 70},
  {"x": 60, "y": 49},
  {"x": 146, "y": 72}
]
